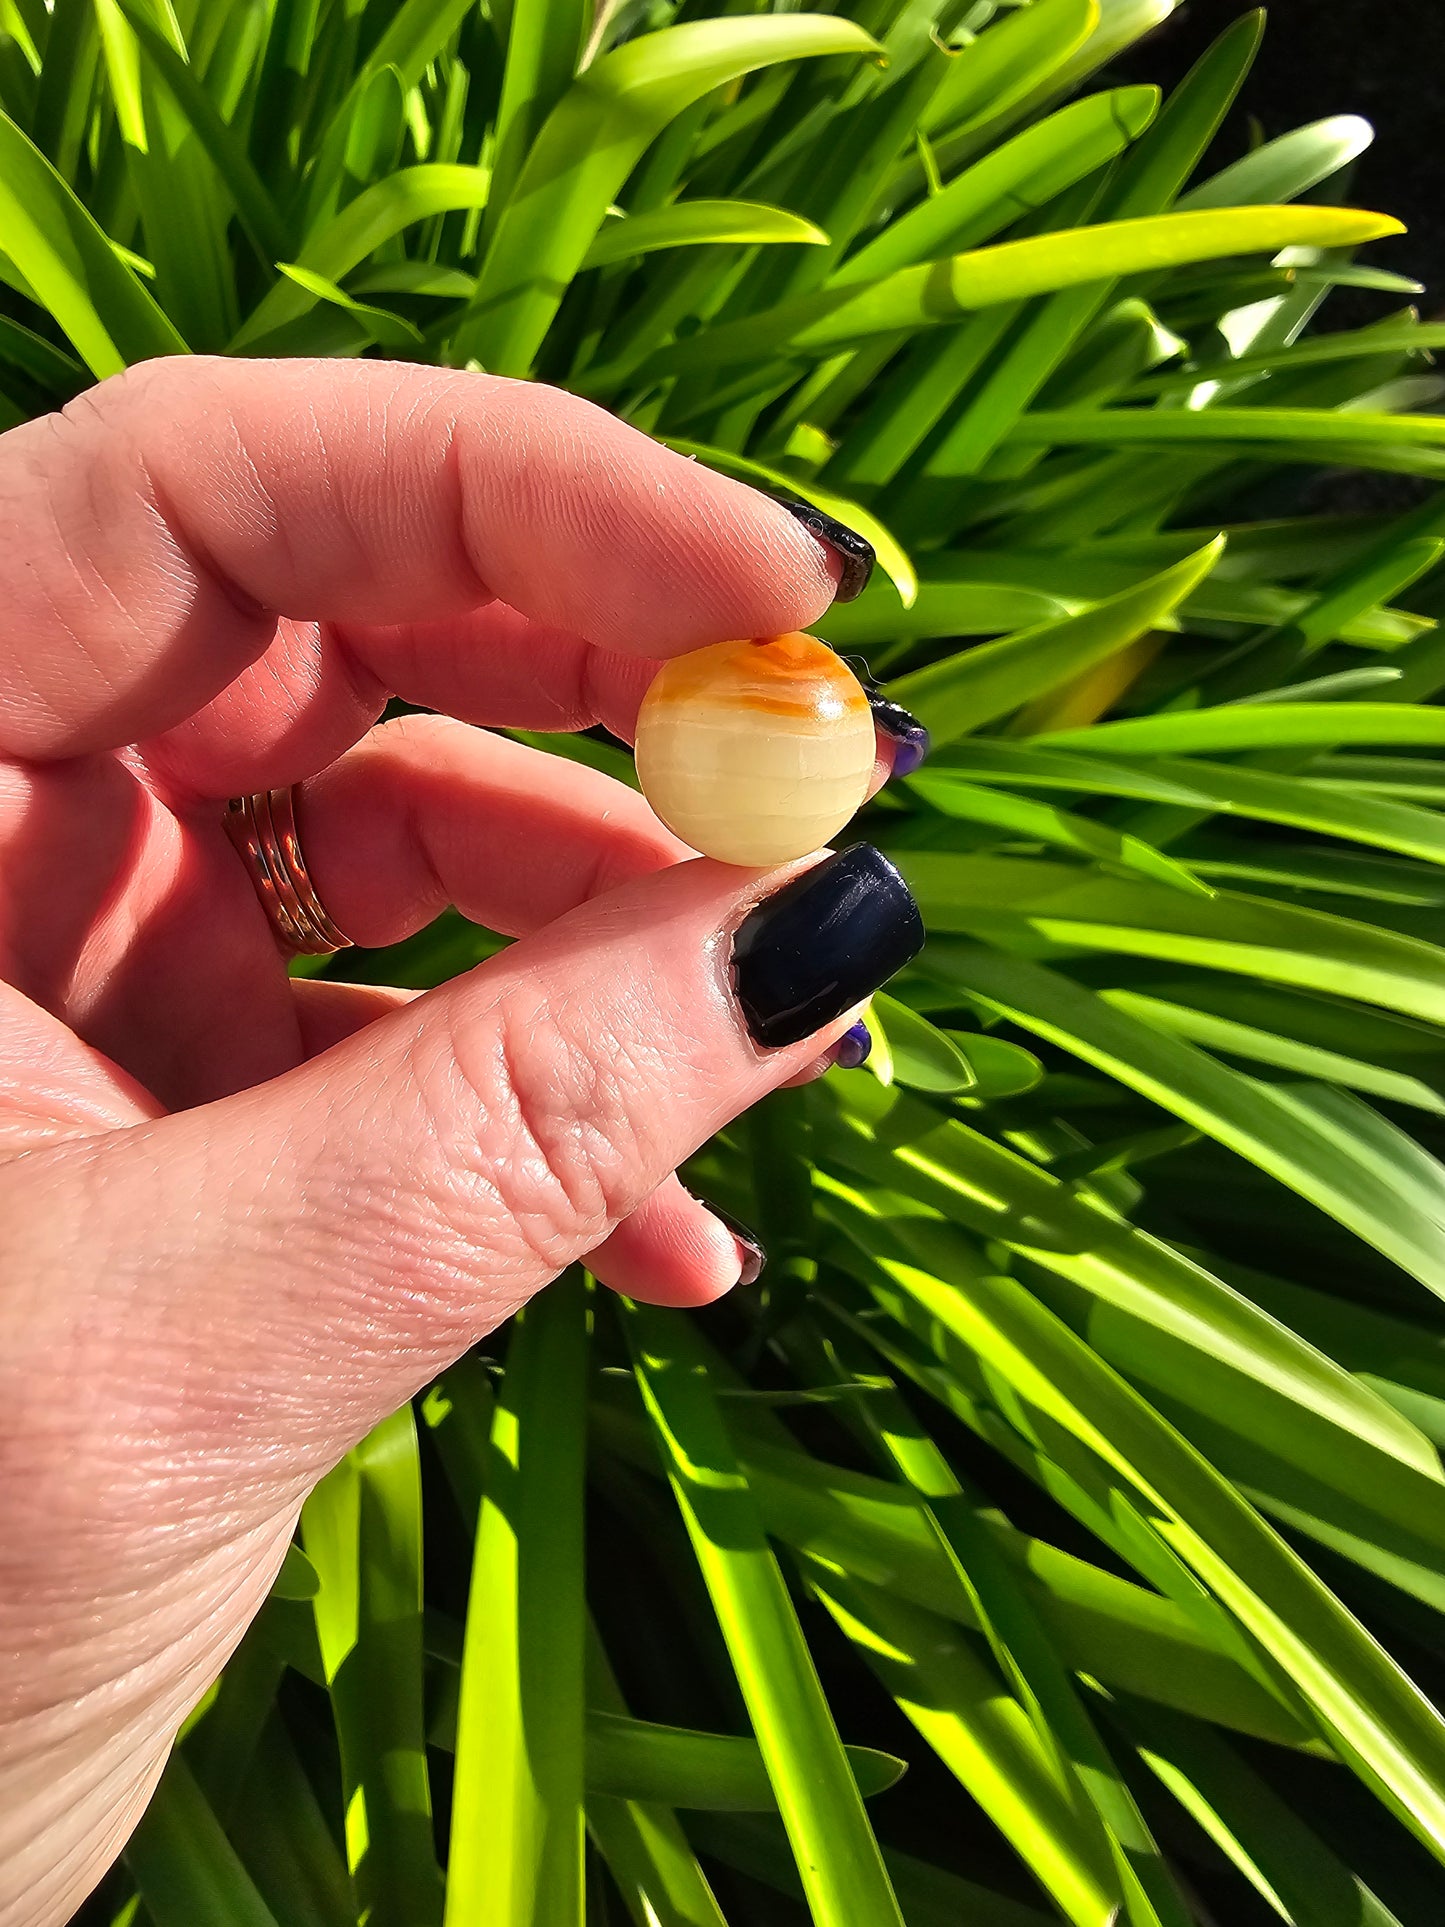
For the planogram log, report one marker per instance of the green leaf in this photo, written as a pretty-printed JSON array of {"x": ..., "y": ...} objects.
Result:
[
  {"x": 1026, "y": 172},
  {"x": 1283, "y": 168},
  {"x": 1235, "y": 1039},
  {"x": 646, "y": 1850},
  {"x": 361, "y": 1529},
  {"x": 363, "y": 225},
  {"x": 961, "y": 693},
  {"x": 1003, "y": 65},
  {"x": 949, "y": 601},
  {"x": 1377, "y": 821},
  {"x": 1026, "y": 1657},
  {"x": 380, "y": 324},
  {"x": 1018, "y": 901},
  {"x": 1166, "y": 427},
  {"x": 544, "y": 45},
  {"x": 1106, "y": 1627},
  {"x": 1037, "y": 765},
  {"x": 298, "y": 1578},
  {"x": 1284, "y": 1133},
  {"x": 516, "y": 1829},
  {"x": 1275, "y": 725},
  {"x": 817, "y": 1794},
  {"x": 290, "y": 1849},
  {"x": 699, "y": 224},
  {"x": 1289, "y": 1865},
  {"x": 931, "y": 1896},
  {"x": 71, "y": 266},
  {"x": 184, "y": 1866},
  {"x": 1022, "y": 817},
  {"x": 943, "y": 291},
  {"x": 980, "y": 1734},
  {"x": 908, "y": 1050},
  {"x": 1372, "y": 1712},
  {"x": 638, "y": 1760},
  {"x": 249, "y": 195},
  {"x": 589, "y": 145},
  {"x": 648, "y": 1856}
]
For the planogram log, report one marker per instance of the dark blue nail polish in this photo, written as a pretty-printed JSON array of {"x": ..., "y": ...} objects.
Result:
[
  {"x": 857, "y": 555},
  {"x": 854, "y": 1047},
  {"x": 750, "y": 1249},
  {"x": 821, "y": 944},
  {"x": 911, "y": 741}
]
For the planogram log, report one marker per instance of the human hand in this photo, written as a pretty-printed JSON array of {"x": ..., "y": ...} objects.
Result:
[{"x": 243, "y": 1217}]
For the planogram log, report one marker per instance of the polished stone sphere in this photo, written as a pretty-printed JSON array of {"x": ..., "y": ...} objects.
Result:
[{"x": 756, "y": 752}]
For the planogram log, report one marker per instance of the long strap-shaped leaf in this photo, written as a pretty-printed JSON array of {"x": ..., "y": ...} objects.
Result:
[
  {"x": 817, "y": 324},
  {"x": 1030, "y": 1662},
  {"x": 1031, "y": 168},
  {"x": 979, "y": 1189},
  {"x": 362, "y": 1532},
  {"x": 1164, "y": 428},
  {"x": 589, "y": 145},
  {"x": 1107, "y": 1627},
  {"x": 1014, "y": 900},
  {"x": 71, "y": 265},
  {"x": 185, "y": 1867},
  {"x": 963, "y": 692},
  {"x": 1256, "y": 725},
  {"x": 1396, "y": 1209},
  {"x": 516, "y": 1834},
  {"x": 1375, "y": 1716},
  {"x": 379, "y": 212},
  {"x": 982, "y": 1735},
  {"x": 837, "y": 1856}
]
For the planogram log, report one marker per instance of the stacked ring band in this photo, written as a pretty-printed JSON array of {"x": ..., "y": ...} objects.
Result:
[{"x": 263, "y": 829}]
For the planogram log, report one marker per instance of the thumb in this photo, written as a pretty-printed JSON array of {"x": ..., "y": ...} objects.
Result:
[{"x": 293, "y": 1262}]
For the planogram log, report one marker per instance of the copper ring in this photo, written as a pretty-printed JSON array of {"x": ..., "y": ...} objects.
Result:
[{"x": 263, "y": 829}]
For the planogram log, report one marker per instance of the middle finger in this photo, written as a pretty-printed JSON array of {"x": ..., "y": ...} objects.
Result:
[{"x": 428, "y": 812}]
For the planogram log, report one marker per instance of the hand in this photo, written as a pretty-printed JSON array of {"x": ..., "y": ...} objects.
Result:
[{"x": 243, "y": 1217}]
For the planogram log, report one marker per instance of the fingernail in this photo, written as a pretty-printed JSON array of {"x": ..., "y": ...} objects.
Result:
[
  {"x": 821, "y": 944},
  {"x": 856, "y": 555},
  {"x": 750, "y": 1250},
  {"x": 910, "y": 739},
  {"x": 854, "y": 1047}
]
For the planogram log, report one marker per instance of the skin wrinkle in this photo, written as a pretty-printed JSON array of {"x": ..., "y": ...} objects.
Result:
[{"x": 537, "y": 1177}]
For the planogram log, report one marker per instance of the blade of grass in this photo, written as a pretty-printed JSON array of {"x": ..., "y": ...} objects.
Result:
[
  {"x": 961, "y": 693},
  {"x": 516, "y": 1829},
  {"x": 361, "y": 1529},
  {"x": 585, "y": 151},
  {"x": 837, "y": 1856},
  {"x": 183, "y": 1864},
  {"x": 818, "y": 324},
  {"x": 101, "y": 304}
]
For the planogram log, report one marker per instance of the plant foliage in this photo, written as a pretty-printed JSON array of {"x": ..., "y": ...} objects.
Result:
[{"x": 1081, "y": 1446}]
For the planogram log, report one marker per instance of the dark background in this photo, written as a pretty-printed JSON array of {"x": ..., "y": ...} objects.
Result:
[{"x": 1384, "y": 59}]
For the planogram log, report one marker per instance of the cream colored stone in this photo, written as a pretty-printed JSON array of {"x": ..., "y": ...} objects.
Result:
[{"x": 754, "y": 768}]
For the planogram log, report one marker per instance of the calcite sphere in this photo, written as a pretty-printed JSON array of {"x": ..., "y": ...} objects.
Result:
[{"x": 756, "y": 752}]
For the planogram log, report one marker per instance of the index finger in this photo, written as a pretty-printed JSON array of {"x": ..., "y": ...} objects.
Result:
[{"x": 154, "y": 531}]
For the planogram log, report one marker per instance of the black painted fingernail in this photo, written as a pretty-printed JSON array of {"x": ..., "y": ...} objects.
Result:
[
  {"x": 750, "y": 1249},
  {"x": 823, "y": 943},
  {"x": 910, "y": 739},
  {"x": 854, "y": 1047},
  {"x": 857, "y": 555}
]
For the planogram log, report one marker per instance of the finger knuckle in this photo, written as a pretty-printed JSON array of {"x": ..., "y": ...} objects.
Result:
[{"x": 541, "y": 1116}]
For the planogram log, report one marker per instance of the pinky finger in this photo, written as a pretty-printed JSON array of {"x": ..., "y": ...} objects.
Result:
[{"x": 676, "y": 1250}]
